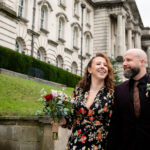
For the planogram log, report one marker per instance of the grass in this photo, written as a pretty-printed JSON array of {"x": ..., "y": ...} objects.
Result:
[{"x": 19, "y": 97}]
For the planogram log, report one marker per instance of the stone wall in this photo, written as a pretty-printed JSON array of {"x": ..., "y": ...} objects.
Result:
[{"x": 30, "y": 133}]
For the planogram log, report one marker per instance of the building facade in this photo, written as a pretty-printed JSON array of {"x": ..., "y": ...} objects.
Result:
[{"x": 67, "y": 33}]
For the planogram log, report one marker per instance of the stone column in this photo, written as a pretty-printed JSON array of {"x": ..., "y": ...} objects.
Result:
[
  {"x": 129, "y": 38},
  {"x": 123, "y": 35},
  {"x": 139, "y": 43},
  {"x": 148, "y": 56},
  {"x": 136, "y": 39},
  {"x": 119, "y": 35}
]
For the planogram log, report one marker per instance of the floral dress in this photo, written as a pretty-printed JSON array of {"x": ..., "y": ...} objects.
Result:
[{"x": 90, "y": 126}]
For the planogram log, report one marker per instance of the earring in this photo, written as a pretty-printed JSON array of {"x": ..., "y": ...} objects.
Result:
[{"x": 89, "y": 75}]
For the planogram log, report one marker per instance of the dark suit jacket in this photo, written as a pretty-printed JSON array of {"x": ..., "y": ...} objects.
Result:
[{"x": 127, "y": 131}]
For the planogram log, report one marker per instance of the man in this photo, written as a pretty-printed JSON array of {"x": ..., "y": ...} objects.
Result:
[{"x": 131, "y": 118}]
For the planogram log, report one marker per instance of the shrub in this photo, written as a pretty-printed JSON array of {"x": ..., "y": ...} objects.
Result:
[{"x": 28, "y": 65}]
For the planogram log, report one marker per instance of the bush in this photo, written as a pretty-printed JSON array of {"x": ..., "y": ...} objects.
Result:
[{"x": 28, "y": 65}]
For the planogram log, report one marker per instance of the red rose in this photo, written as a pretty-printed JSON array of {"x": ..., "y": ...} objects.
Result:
[{"x": 48, "y": 97}]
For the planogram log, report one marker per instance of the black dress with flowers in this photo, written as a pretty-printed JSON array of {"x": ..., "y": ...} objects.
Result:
[{"x": 90, "y": 126}]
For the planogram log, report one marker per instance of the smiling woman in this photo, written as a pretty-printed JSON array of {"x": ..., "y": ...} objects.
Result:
[{"x": 92, "y": 109}]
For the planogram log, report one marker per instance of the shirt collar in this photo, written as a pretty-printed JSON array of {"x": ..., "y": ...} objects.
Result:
[{"x": 142, "y": 80}]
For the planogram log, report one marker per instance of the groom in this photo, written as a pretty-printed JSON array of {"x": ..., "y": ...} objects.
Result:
[{"x": 130, "y": 128}]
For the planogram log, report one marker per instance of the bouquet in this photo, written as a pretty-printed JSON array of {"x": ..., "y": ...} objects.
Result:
[{"x": 57, "y": 105}]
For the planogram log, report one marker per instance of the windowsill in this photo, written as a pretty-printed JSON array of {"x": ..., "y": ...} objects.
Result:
[
  {"x": 88, "y": 54},
  {"x": 75, "y": 47},
  {"x": 68, "y": 50},
  {"x": 31, "y": 32},
  {"x": 44, "y": 30},
  {"x": 61, "y": 40},
  {"x": 23, "y": 19},
  {"x": 62, "y": 5},
  {"x": 52, "y": 42},
  {"x": 76, "y": 16}
]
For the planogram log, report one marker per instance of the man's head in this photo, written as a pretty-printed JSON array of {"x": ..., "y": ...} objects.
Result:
[{"x": 134, "y": 63}]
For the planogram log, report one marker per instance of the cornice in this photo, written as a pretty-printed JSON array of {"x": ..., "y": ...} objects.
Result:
[
  {"x": 145, "y": 37},
  {"x": 105, "y": 3},
  {"x": 6, "y": 10}
]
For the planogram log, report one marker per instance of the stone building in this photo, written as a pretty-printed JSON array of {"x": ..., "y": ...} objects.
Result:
[{"x": 66, "y": 33}]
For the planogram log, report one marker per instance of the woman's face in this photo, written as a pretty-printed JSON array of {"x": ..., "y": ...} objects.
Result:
[{"x": 99, "y": 68}]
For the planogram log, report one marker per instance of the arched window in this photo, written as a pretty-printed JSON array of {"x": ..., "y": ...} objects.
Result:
[
  {"x": 74, "y": 68},
  {"x": 38, "y": 55},
  {"x": 87, "y": 44},
  {"x": 59, "y": 61},
  {"x": 19, "y": 47},
  {"x": 41, "y": 54},
  {"x": 21, "y": 8},
  {"x": 75, "y": 37},
  {"x": 61, "y": 28}
]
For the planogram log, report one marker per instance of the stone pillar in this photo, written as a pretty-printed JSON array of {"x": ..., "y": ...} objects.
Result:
[
  {"x": 148, "y": 56},
  {"x": 123, "y": 35},
  {"x": 136, "y": 39},
  {"x": 139, "y": 43},
  {"x": 119, "y": 35},
  {"x": 129, "y": 38}
]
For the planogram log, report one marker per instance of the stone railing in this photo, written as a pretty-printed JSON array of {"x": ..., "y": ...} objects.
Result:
[{"x": 30, "y": 133}]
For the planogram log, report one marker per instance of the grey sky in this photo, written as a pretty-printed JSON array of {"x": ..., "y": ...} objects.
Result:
[{"x": 144, "y": 9}]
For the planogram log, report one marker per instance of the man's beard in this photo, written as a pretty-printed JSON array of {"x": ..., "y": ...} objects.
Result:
[{"x": 131, "y": 73}]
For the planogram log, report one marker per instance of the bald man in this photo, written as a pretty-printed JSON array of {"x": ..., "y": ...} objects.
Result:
[{"x": 130, "y": 128}]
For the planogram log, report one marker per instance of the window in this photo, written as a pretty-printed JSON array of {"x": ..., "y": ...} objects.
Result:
[
  {"x": 19, "y": 47},
  {"x": 60, "y": 28},
  {"x": 21, "y": 8},
  {"x": 59, "y": 61},
  {"x": 88, "y": 17},
  {"x": 75, "y": 37},
  {"x": 76, "y": 8},
  {"x": 43, "y": 18},
  {"x": 61, "y": 22},
  {"x": 74, "y": 68},
  {"x": 41, "y": 54},
  {"x": 38, "y": 55},
  {"x": 62, "y": 2},
  {"x": 87, "y": 44}
]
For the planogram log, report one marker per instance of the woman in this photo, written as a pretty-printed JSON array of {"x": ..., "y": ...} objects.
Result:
[{"x": 93, "y": 106}]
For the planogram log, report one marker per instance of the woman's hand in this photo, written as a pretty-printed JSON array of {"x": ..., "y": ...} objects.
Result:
[{"x": 61, "y": 122}]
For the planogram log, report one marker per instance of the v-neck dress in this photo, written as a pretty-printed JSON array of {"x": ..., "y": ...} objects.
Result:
[{"x": 90, "y": 126}]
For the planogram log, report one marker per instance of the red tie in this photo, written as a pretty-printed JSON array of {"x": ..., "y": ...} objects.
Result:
[{"x": 136, "y": 99}]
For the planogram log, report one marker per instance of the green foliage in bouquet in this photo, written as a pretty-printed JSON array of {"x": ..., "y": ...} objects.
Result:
[{"x": 56, "y": 104}]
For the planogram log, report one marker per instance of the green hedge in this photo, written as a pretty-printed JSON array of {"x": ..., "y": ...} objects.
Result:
[{"x": 21, "y": 63}]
